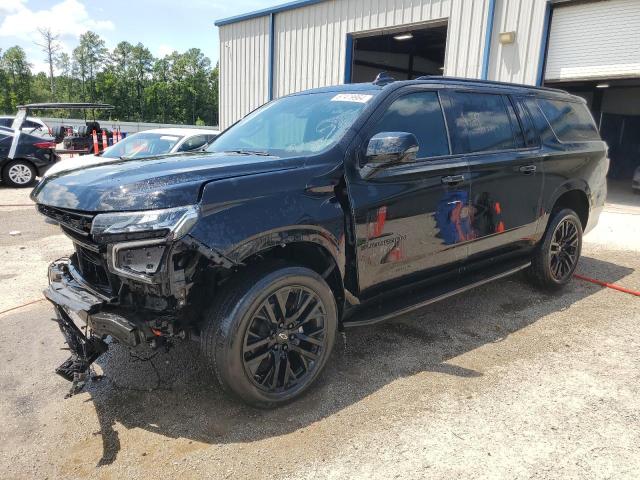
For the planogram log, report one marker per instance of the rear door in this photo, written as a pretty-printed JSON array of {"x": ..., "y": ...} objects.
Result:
[
  {"x": 5, "y": 145},
  {"x": 503, "y": 152},
  {"x": 410, "y": 219}
]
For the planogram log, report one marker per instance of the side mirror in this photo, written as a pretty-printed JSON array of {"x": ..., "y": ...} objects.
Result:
[{"x": 391, "y": 148}]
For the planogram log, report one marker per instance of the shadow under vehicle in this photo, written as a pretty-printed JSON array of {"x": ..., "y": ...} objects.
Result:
[{"x": 332, "y": 208}]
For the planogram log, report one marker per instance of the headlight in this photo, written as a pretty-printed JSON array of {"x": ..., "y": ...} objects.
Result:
[{"x": 176, "y": 221}]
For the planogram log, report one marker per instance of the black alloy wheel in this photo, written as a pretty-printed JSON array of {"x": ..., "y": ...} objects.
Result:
[
  {"x": 556, "y": 256},
  {"x": 269, "y": 332},
  {"x": 564, "y": 249},
  {"x": 285, "y": 339}
]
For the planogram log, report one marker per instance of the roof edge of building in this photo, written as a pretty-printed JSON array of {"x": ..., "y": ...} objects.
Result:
[{"x": 266, "y": 11}]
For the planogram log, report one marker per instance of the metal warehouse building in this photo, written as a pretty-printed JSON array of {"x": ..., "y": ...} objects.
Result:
[{"x": 591, "y": 48}]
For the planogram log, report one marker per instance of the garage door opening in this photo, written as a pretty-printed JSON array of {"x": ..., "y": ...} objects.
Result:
[
  {"x": 404, "y": 54},
  {"x": 615, "y": 105}
]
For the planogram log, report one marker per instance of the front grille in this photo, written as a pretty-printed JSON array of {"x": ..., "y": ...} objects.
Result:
[
  {"x": 77, "y": 222},
  {"x": 92, "y": 267}
]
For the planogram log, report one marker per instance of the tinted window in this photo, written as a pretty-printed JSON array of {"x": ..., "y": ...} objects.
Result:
[
  {"x": 192, "y": 143},
  {"x": 480, "y": 123},
  {"x": 31, "y": 125},
  {"x": 518, "y": 137},
  {"x": 142, "y": 144},
  {"x": 570, "y": 121},
  {"x": 3, "y": 137},
  {"x": 420, "y": 114},
  {"x": 6, "y": 122},
  {"x": 530, "y": 134}
]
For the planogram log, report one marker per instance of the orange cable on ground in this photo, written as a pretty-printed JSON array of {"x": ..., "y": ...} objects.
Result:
[
  {"x": 23, "y": 305},
  {"x": 608, "y": 285}
]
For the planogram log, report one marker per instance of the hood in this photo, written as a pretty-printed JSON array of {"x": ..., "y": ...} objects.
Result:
[
  {"x": 149, "y": 183},
  {"x": 77, "y": 162}
]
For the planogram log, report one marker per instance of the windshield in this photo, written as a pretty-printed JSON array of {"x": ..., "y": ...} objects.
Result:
[
  {"x": 142, "y": 144},
  {"x": 296, "y": 125}
]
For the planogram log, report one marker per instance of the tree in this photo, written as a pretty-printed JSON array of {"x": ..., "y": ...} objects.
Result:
[
  {"x": 64, "y": 80},
  {"x": 18, "y": 77},
  {"x": 89, "y": 57},
  {"x": 179, "y": 88},
  {"x": 141, "y": 68},
  {"x": 50, "y": 47}
]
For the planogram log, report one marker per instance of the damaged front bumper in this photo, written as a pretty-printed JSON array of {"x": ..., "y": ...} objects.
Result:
[{"x": 86, "y": 317}]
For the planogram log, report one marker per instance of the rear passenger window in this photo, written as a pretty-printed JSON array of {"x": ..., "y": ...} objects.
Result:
[
  {"x": 420, "y": 114},
  {"x": 571, "y": 121},
  {"x": 481, "y": 123}
]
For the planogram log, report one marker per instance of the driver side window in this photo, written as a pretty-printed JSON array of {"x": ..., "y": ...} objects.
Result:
[{"x": 418, "y": 113}]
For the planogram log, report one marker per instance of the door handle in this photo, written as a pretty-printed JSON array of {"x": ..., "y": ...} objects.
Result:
[
  {"x": 453, "y": 179},
  {"x": 528, "y": 169}
]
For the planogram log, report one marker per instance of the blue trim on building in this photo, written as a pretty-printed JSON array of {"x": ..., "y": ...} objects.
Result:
[
  {"x": 348, "y": 59},
  {"x": 267, "y": 11},
  {"x": 487, "y": 40},
  {"x": 542, "y": 59},
  {"x": 272, "y": 52}
]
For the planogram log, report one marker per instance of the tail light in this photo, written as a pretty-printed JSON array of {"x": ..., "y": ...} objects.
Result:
[{"x": 45, "y": 145}]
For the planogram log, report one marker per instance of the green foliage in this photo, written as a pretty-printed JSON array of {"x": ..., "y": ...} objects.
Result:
[{"x": 179, "y": 88}]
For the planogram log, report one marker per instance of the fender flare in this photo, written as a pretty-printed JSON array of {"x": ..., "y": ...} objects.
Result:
[
  {"x": 570, "y": 185},
  {"x": 288, "y": 235}
]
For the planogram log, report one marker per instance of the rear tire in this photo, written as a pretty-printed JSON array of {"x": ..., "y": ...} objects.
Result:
[
  {"x": 19, "y": 174},
  {"x": 260, "y": 353},
  {"x": 557, "y": 256}
]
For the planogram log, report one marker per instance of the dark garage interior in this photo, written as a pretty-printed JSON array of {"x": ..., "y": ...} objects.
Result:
[
  {"x": 615, "y": 105},
  {"x": 405, "y": 54}
]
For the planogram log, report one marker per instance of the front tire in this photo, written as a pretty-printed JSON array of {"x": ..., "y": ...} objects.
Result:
[
  {"x": 269, "y": 335},
  {"x": 19, "y": 174},
  {"x": 556, "y": 258}
]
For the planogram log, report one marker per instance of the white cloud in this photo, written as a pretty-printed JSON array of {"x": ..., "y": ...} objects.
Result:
[
  {"x": 10, "y": 6},
  {"x": 68, "y": 17}
]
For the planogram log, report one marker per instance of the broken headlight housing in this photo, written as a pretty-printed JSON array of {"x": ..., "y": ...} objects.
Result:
[
  {"x": 138, "y": 240},
  {"x": 175, "y": 222}
]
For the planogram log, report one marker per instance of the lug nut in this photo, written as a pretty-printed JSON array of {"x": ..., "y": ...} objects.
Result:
[
  {"x": 291, "y": 337},
  {"x": 284, "y": 347},
  {"x": 290, "y": 325},
  {"x": 281, "y": 325}
]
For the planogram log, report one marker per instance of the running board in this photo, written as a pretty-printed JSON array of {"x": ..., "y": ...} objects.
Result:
[{"x": 382, "y": 311}]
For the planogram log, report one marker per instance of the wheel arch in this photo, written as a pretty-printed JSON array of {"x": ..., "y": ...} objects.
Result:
[
  {"x": 309, "y": 246},
  {"x": 575, "y": 195}
]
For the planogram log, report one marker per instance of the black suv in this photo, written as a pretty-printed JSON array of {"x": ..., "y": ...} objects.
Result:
[{"x": 322, "y": 210}]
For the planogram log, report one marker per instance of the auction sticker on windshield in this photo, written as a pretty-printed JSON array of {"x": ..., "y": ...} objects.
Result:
[{"x": 352, "y": 97}]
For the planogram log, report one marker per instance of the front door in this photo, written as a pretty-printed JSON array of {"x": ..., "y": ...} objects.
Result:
[
  {"x": 410, "y": 219},
  {"x": 503, "y": 151}
]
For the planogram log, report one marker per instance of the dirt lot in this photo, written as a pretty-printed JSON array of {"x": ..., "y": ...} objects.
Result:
[{"x": 501, "y": 382}]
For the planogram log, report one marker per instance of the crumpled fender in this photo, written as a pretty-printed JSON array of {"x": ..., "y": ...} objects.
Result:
[{"x": 244, "y": 216}]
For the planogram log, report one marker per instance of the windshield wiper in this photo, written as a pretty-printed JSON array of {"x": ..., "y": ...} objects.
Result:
[{"x": 249, "y": 152}]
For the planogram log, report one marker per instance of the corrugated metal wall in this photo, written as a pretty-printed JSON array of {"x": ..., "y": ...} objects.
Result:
[
  {"x": 517, "y": 62},
  {"x": 310, "y": 44},
  {"x": 595, "y": 40},
  {"x": 244, "y": 68}
]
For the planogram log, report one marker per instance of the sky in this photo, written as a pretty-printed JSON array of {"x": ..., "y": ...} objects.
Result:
[{"x": 161, "y": 25}]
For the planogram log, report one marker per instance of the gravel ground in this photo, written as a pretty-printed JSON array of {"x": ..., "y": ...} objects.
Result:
[{"x": 501, "y": 382}]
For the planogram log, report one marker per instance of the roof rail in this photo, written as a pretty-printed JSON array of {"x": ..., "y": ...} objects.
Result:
[
  {"x": 490, "y": 82},
  {"x": 383, "y": 78}
]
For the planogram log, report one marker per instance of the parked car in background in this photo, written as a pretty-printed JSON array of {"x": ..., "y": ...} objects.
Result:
[
  {"x": 327, "y": 209},
  {"x": 149, "y": 143},
  {"x": 635, "y": 184},
  {"x": 24, "y": 157},
  {"x": 31, "y": 125}
]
